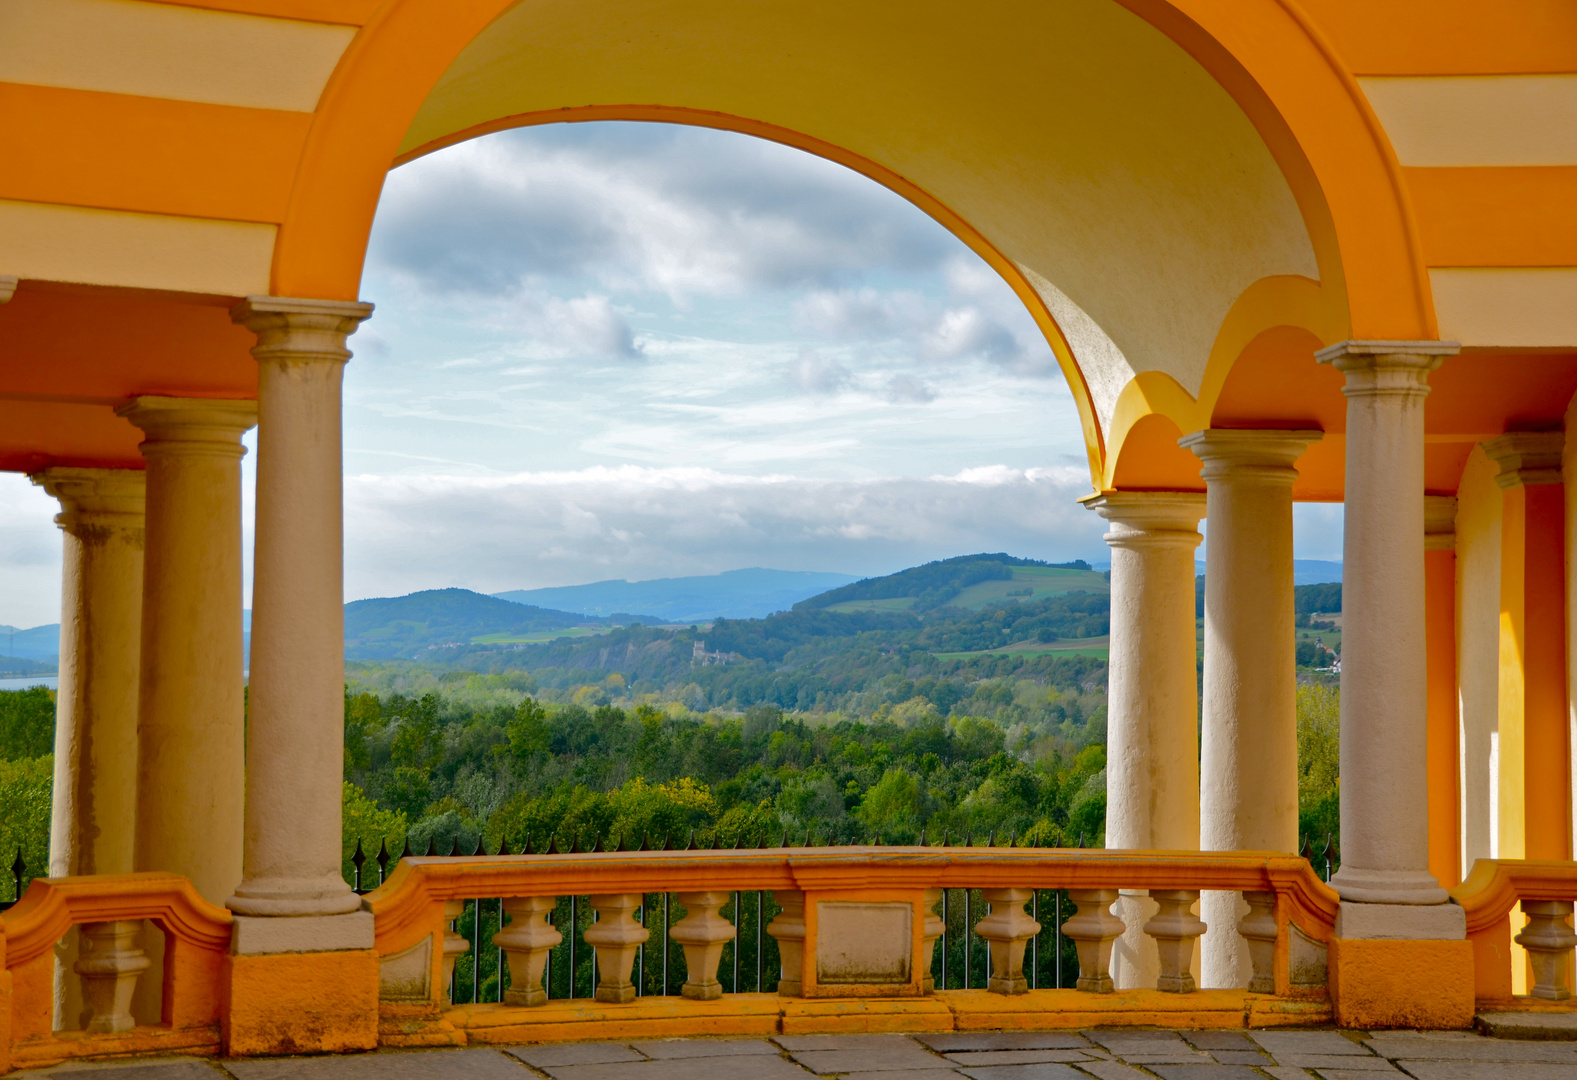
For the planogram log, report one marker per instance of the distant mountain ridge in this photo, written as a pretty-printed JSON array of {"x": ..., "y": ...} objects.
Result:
[
  {"x": 751, "y": 593},
  {"x": 957, "y": 581},
  {"x": 40, "y": 643},
  {"x": 408, "y": 626}
]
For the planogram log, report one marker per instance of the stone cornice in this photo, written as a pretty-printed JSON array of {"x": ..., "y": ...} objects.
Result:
[
  {"x": 1440, "y": 522},
  {"x": 1527, "y": 458},
  {"x": 1267, "y": 454},
  {"x": 1151, "y": 516}
]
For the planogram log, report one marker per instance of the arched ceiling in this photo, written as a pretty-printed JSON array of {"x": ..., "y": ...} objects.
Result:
[{"x": 1096, "y": 156}]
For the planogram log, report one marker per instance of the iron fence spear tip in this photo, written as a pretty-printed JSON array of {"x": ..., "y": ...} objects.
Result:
[{"x": 432, "y": 845}]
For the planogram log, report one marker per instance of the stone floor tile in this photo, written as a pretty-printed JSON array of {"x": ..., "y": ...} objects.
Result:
[
  {"x": 1137, "y": 1041},
  {"x": 1112, "y": 1070},
  {"x": 1472, "y": 1048},
  {"x": 1485, "y": 1070},
  {"x": 920, "y": 1074},
  {"x": 1286, "y": 1072},
  {"x": 1043, "y": 1070},
  {"x": 163, "y": 1069},
  {"x": 1014, "y": 1057},
  {"x": 663, "y": 1049},
  {"x": 574, "y": 1054},
  {"x": 1279, "y": 1044},
  {"x": 1175, "y": 1057},
  {"x": 1204, "y": 1072},
  {"x": 754, "y": 1067},
  {"x": 470, "y": 1063},
  {"x": 956, "y": 1041},
  {"x": 793, "y": 1043},
  {"x": 1349, "y": 1062},
  {"x": 1528, "y": 1025},
  {"x": 1242, "y": 1057},
  {"x": 1220, "y": 1040},
  {"x": 1386, "y": 1070},
  {"x": 882, "y": 1057}
]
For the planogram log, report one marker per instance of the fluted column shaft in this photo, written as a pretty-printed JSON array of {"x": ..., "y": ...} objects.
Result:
[
  {"x": 1248, "y": 787},
  {"x": 296, "y": 719},
  {"x": 190, "y": 711},
  {"x": 92, "y": 822},
  {"x": 1384, "y": 707},
  {"x": 1152, "y": 770}
]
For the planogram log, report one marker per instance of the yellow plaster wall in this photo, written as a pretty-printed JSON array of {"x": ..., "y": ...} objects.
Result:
[
  {"x": 1506, "y": 306},
  {"x": 146, "y": 251},
  {"x": 1468, "y": 120},
  {"x": 1080, "y": 141},
  {"x": 1478, "y": 647},
  {"x": 164, "y": 51}
]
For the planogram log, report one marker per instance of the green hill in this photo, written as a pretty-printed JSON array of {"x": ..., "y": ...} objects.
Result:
[
  {"x": 969, "y": 582},
  {"x": 425, "y": 624}
]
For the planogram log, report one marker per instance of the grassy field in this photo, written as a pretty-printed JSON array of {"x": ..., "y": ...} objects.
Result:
[
  {"x": 1099, "y": 647},
  {"x": 1028, "y": 583},
  {"x": 536, "y": 637}
]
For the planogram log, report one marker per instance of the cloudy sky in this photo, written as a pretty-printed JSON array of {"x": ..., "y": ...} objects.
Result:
[{"x": 631, "y": 351}]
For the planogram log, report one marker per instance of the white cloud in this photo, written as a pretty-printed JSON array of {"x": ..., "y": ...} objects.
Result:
[
  {"x": 812, "y": 373},
  {"x": 552, "y": 528}
]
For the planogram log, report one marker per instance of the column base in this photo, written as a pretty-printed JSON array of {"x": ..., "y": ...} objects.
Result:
[
  {"x": 254, "y": 936},
  {"x": 300, "y": 1002},
  {"x": 1393, "y": 983},
  {"x": 1407, "y": 922}
]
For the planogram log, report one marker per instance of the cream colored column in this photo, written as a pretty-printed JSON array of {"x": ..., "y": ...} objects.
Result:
[
  {"x": 94, "y": 805},
  {"x": 296, "y": 719},
  {"x": 190, "y": 714},
  {"x": 92, "y": 822},
  {"x": 1152, "y": 762},
  {"x": 1384, "y": 882},
  {"x": 1248, "y": 788}
]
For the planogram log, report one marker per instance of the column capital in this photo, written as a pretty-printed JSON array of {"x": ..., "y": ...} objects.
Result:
[
  {"x": 290, "y": 329},
  {"x": 1267, "y": 454},
  {"x": 1440, "y": 522},
  {"x": 1527, "y": 458},
  {"x": 7, "y": 287},
  {"x": 1386, "y": 367},
  {"x": 95, "y": 497},
  {"x": 1149, "y": 517},
  {"x": 215, "y": 424}
]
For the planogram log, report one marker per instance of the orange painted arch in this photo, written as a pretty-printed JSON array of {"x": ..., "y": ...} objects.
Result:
[{"x": 1266, "y": 54}]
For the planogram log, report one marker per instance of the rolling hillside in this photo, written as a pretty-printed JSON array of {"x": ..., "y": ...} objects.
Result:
[
  {"x": 736, "y": 594},
  {"x": 970, "y": 582},
  {"x": 413, "y": 627}
]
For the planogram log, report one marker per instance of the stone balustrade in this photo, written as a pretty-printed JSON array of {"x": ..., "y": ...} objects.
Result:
[{"x": 851, "y": 925}]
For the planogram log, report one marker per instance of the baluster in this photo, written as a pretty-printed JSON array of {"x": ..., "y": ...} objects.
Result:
[
  {"x": 760, "y": 928},
  {"x": 1056, "y": 937},
  {"x": 969, "y": 939},
  {"x": 614, "y": 936},
  {"x": 1258, "y": 928},
  {"x": 703, "y": 932},
  {"x": 1034, "y": 942},
  {"x": 1008, "y": 929},
  {"x": 110, "y": 964},
  {"x": 1093, "y": 928},
  {"x": 735, "y": 938},
  {"x": 455, "y": 945},
  {"x": 933, "y": 929},
  {"x": 789, "y": 931},
  {"x": 1548, "y": 937},
  {"x": 1174, "y": 928},
  {"x": 944, "y": 926},
  {"x": 526, "y": 942},
  {"x": 666, "y": 939}
]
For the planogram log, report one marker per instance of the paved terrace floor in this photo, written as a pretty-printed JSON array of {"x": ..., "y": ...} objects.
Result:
[{"x": 1126, "y": 1054}]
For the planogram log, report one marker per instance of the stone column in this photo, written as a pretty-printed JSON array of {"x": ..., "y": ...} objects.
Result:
[
  {"x": 1535, "y": 788},
  {"x": 1440, "y": 618},
  {"x": 94, "y": 806},
  {"x": 1248, "y": 790},
  {"x": 1386, "y": 888},
  {"x": 295, "y": 734},
  {"x": 92, "y": 823},
  {"x": 1152, "y": 763},
  {"x": 190, "y": 711}
]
